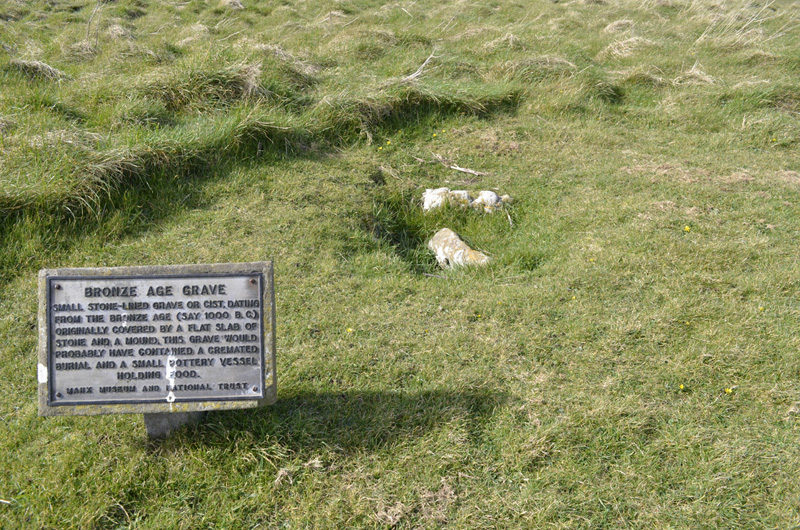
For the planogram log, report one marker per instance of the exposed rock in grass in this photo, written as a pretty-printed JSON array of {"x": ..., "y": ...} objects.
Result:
[
  {"x": 38, "y": 70},
  {"x": 451, "y": 251},
  {"x": 436, "y": 198},
  {"x": 488, "y": 201}
]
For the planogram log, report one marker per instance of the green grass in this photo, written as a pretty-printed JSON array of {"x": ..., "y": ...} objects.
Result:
[{"x": 543, "y": 391}]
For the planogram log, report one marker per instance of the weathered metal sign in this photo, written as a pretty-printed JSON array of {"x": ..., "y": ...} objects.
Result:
[{"x": 156, "y": 339}]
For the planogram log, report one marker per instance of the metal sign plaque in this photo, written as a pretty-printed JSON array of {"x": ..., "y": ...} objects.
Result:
[{"x": 156, "y": 339}]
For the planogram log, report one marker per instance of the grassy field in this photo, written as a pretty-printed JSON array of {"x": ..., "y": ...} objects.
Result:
[{"x": 628, "y": 360}]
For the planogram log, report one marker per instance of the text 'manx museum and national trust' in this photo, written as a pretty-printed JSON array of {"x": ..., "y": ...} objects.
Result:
[{"x": 180, "y": 338}]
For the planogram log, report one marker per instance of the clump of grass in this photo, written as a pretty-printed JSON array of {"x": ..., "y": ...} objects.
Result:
[
  {"x": 696, "y": 75},
  {"x": 345, "y": 116},
  {"x": 37, "y": 70},
  {"x": 625, "y": 48},
  {"x": 596, "y": 85},
  {"x": 147, "y": 112},
  {"x": 307, "y": 69},
  {"x": 200, "y": 87},
  {"x": 509, "y": 41},
  {"x": 619, "y": 25},
  {"x": 82, "y": 50},
  {"x": 645, "y": 76}
]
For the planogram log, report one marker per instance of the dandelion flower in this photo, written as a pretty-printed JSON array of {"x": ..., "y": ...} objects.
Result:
[
  {"x": 349, "y": 330},
  {"x": 681, "y": 387},
  {"x": 591, "y": 260},
  {"x": 573, "y": 298},
  {"x": 388, "y": 142},
  {"x": 728, "y": 390},
  {"x": 380, "y": 149},
  {"x": 761, "y": 308},
  {"x": 686, "y": 228},
  {"x": 434, "y": 135}
]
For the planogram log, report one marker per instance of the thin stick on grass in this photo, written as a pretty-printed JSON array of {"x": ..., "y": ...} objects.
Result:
[
  {"x": 454, "y": 167},
  {"x": 420, "y": 70}
]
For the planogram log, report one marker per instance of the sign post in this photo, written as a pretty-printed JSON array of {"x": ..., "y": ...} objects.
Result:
[{"x": 169, "y": 342}]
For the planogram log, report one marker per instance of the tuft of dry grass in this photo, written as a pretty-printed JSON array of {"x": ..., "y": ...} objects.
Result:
[
  {"x": 625, "y": 48},
  {"x": 37, "y": 70},
  {"x": 619, "y": 25},
  {"x": 509, "y": 41},
  {"x": 537, "y": 68},
  {"x": 696, "y": 75}
]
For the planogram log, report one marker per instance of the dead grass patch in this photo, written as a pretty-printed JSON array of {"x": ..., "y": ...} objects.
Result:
[
  {"x": 390, "y": 515},
  {"x": 434, "y": 504},
  {"x": 37, "y": 70},
  {"x": 790, "y": 177}
]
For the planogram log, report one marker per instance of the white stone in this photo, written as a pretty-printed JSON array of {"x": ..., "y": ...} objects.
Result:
[
  {"x": 432, "y": 199},
  {"x": 488, "y": 201}
]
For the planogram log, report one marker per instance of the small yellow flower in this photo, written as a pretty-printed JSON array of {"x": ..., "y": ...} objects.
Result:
[
  {"x": 591, "y": 260},
  {"x": 681, "y": 387},
  {"x": 686, "y": 322},
  {"x": 761, "y": 308},
  {"x": 687, "y": 229},
  {"x": 388, "y": 142},
  {"x": 728, "y": 390},
  {"x": 443, "y": 130},
  {"x": 380, "y": 149},
  {"x": 434, "y": 135},
  {"x": 573, "y": 298},
  {"x": 349, "y": 330}
]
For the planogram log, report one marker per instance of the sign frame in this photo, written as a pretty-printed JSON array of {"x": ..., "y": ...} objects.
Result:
[{"x": 268, "y": 395}]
